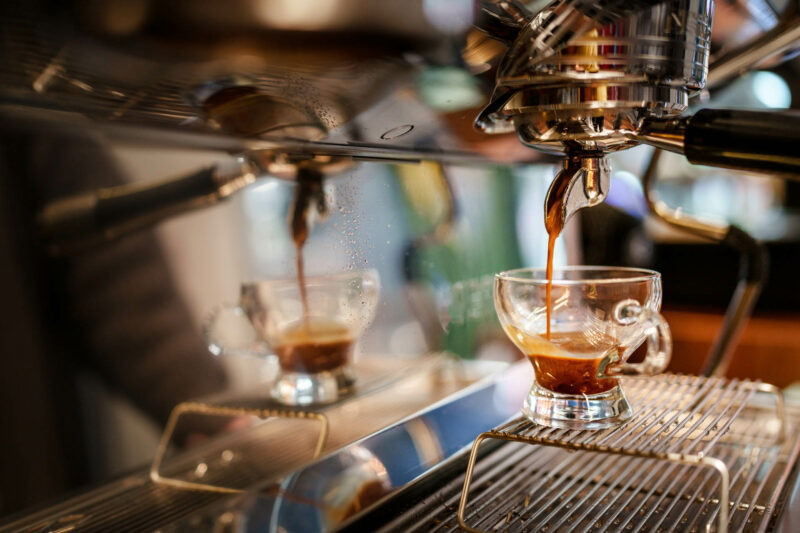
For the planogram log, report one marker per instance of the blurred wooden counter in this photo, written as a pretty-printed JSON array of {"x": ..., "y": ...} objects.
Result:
[{"x": 768, "y": 350}]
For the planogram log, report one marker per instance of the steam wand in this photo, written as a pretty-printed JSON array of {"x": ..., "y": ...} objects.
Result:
[{"x": 752, "y": 271}]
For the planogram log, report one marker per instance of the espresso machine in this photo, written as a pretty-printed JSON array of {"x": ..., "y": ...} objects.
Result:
[{"x": 289, "y": 90}]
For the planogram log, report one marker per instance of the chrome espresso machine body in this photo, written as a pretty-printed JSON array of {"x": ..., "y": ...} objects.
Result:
[
  {"x": 291, "y": 88},
  {"x": 585, "y": 79}
]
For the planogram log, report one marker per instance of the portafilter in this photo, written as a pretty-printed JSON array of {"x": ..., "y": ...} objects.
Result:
[{"x": 586, "y": 78}]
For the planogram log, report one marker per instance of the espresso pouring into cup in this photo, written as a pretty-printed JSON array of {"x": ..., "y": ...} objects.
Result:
[
  {"x": 314, "y": 344},
  {"x": 600, "y": 316}
]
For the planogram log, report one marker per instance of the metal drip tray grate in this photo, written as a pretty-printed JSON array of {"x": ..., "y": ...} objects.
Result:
[
  {"x": 674, "y": 415},
  {"x": 694, "y": 444}
]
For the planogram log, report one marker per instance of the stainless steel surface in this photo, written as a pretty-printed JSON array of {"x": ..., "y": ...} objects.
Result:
[
  {"x": 739, "y": 310},
  {"x": 281, "y": 80},
  {"x": 212, "y": 410},
  {"x": 656, "y": 473},
  {"x": 666, "y": 135},
  {"x": 789, "y": 519},
  {"x": 676, "y": 218},
  {"x": 320, "y": 496},
  {"x": 287, "y": 77},
  {"x": 474, "y": 397},
  {"x": 582, "y": 79},
  {"x": 578, "y": 76},
  {"x": 588, "y": 78},
  {"x": 582, "y": 73},
  {"x": 30, "y": 118},
  {"x": 569, "y": 78},
  {"x": 92, "y": 218},
  {"x": 575, "y": 80},
  {"x": 780, "y": 39}
]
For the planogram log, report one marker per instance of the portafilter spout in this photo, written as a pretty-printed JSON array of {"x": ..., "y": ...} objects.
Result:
[{"x": 583, "y": 182}]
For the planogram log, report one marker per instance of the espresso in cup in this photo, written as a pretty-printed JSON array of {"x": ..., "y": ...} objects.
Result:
[
  {"x": 599, "y": 316},
  {"x": 313, "y": 332},
  {"x": 568, "y": 363},
  {"x": 314, "y": 346}
]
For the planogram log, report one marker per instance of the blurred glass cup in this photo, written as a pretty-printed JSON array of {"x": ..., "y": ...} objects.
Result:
[{"x": 314, "y": 349}]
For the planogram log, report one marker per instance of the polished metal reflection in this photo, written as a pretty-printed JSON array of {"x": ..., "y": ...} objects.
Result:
[
  {"x": 364, "y": 433},
  {"x": 588, "y": 179},
  {"x": 774, "y": 46},
  {"x": 75, "y": 223},
  {"x": 751, "y": 281},
  {"x": 696, "y": 446},
  {"x": 199, "y": 408},
  {"x": 580, "y": 76},
  {"x": 280, "y": 69}
]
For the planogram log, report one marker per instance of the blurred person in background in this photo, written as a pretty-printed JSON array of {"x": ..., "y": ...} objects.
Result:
[{"x": 112, "y": 310}]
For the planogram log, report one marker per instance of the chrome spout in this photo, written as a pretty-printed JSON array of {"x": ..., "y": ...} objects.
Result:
[{"x": 583, "y": 182}]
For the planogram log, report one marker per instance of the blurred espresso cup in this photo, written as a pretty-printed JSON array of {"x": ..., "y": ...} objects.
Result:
[
  {"x": 599, "y": 317},
  {"x": 313, "y": 342}
]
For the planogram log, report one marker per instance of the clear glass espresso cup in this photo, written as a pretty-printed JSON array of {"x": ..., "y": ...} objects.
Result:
[
  {"x": 314, "y": 348},
  {"x": 599, "y": 317}
]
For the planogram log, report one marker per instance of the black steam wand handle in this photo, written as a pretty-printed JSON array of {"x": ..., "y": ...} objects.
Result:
[
  {"x": 74, "y": 223},
  {"x": 762, "y": 141},
  {"x": 758, "y": 141}
]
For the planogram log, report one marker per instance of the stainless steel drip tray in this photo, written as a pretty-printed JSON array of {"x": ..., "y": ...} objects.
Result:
[
  {"x": 388, "y": 389},
  {"x": 659, "y": 472},
  {"x": 392, "y": 390}
]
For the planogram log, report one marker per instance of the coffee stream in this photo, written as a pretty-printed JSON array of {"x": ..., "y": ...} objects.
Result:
[
  {"x": 309, "y": 191},
  {"x": 558, "y": 365},
  {"x": 554, "y": 224},
  {"x": 315, "y": 345}
]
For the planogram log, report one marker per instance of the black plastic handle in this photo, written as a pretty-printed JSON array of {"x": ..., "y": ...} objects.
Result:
[
  {"x": 761, "y": 141},
  {"x": 76, "y": 222}
]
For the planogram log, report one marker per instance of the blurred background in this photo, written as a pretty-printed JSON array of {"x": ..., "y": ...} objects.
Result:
[{"x": 436, "y": 223}]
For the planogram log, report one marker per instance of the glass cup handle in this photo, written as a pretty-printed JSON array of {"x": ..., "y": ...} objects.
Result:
[
  {"x": 239, "y": 337},
  {"x": 657, "y": 336}
]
